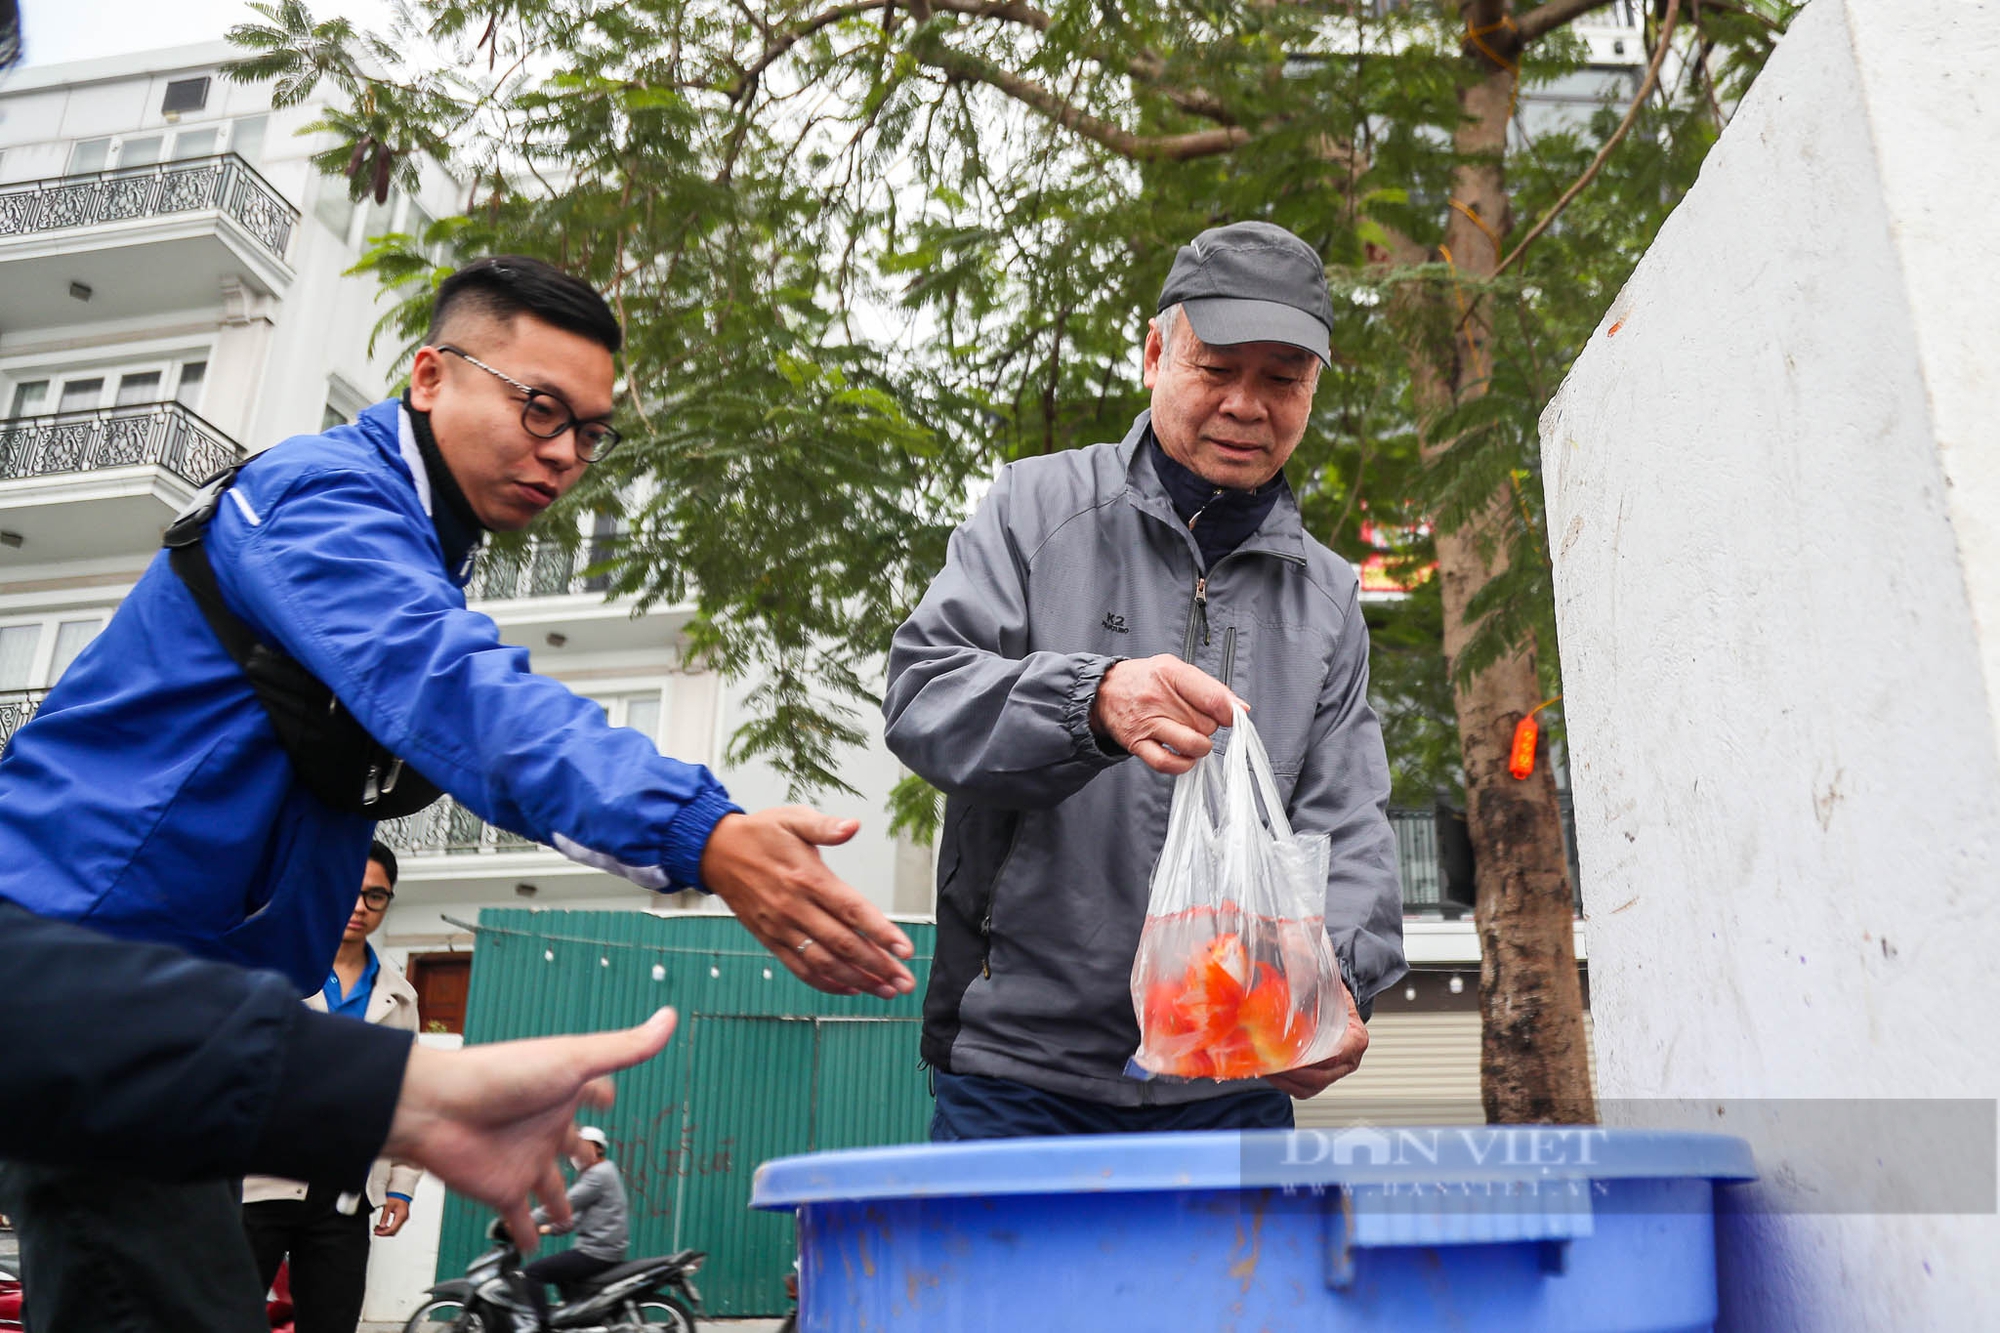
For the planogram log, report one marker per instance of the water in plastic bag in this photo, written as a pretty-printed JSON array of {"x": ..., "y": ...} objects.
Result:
[{"x": 1235, "y": 977}]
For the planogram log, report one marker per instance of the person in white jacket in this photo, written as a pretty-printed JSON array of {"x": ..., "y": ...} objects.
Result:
[{"x": 302, "y": 1220}]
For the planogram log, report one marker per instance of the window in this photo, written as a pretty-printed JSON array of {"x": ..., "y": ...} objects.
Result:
[
  {"x": 72, "y": 637},
  {"x": 188, "y": 392},
  {"x": 142, "y": 388},
  {"x": 140, "y": 152},
  {"x": 22, "y": 645},
  {"x": 639, "y": 710},
  {"x": 604, "y": 533},
  {"x": 332, "y": 206},
  {"x": 193, "y": 143},
  {"x": 381, "y": 218},
  {"x": 33, "y": 390},
  {"x": 18, "y": 645},
  {"x": 344, "y": 403},
  {"x": 88, "y": 155},
  {"x": 246, "y": 138},
  {"x": 185, "y": 95},
  {"x": 29, "y": 396},
  {"x": 81, "y": 395}
]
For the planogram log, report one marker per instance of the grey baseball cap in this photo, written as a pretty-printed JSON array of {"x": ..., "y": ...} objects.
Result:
[{"x": 1253, "y": 282}]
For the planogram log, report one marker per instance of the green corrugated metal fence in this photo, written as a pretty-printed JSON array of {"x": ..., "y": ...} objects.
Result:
[{"x": 761, "y": 1066}]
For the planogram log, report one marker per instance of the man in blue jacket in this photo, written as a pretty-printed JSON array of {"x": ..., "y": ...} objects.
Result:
[{"x": 162, "y": 792}]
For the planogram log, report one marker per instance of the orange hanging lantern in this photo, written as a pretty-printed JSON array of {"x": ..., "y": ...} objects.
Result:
[{"x": 1521, "y": 759}]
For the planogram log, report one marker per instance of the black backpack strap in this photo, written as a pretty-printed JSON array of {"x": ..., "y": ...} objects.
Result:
[{"x": 184, "y": 546}]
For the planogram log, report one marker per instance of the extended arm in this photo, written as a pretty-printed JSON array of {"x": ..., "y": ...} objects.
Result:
[{"x": 969, "y": 707}]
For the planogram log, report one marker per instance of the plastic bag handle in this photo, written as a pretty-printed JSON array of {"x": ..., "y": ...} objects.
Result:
[{"x": 1255, "y": 763}]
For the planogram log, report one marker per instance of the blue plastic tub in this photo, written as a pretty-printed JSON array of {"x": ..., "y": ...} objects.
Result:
[{"x": 1505, "y": 1228}]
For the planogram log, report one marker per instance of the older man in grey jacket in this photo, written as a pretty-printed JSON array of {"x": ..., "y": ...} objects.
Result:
[{"x": 1099, "y": 609}]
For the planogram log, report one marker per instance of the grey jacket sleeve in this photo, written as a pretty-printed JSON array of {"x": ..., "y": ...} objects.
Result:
[
  {"x": 969, "y": 708},
  {"x": 1343, "y": 791}
]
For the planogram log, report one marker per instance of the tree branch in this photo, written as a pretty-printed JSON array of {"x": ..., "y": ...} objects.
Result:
[
  {"x": 1145, "y": 67},
  {"x": 792, "y": 36},
  {"x": 1545, "y": 18},
  {"x": 1596, "y": 163},
  {"x": 1138, "y": 147}
]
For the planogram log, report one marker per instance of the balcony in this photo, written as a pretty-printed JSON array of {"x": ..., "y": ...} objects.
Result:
[
  {"x": 539, "y": 596},
  {"x": 447, "y": 826},
  {"x": 102, "y": 483},
  {"x": 1421, "y": 868},
  {"x": 16, "y": 708},
  {"x": 124, "y": 243},
  {"x": 541, "y": 569}
]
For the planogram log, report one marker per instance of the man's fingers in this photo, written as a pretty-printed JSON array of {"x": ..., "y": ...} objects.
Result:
[
  {"x": 1190, "y": 743},
  {"x": 818, "y": 978},
  {"x": 1160, "y": 759},
  {"x": 608, "y": 1052},
  {"x": 820, "y": 829},
  {"x": 521, "y": 1226},
  {"x": 844, "y": 958},
  {"x": 1202, "y": 692},
  {"x": 851, "y": 936},
  {"x": 866, "y": 920},
  {"x": 549, "y": 1188}
]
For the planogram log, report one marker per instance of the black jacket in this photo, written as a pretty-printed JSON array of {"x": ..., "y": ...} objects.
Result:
[{"x": 135, "y": 1059}]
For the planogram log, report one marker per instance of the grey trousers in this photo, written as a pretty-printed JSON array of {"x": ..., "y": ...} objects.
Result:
[{"x": 109, "y": 1254}]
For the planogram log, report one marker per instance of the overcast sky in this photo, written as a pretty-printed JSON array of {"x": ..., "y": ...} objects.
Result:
[{"x": 55, "y": 31}]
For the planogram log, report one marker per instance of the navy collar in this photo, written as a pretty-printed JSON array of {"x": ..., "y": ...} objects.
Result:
[
  {"x": 1221, "y": 518},
  {"x": 459, "y": 530}
]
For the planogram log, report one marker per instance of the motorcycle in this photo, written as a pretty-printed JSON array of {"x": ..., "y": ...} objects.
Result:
[{"x": 637, "y": 1297}]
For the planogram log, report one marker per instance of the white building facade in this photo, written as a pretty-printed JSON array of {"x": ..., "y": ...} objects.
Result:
[{"x": 174, "y": 298}]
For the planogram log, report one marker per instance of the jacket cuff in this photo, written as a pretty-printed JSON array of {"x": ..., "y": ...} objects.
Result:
[
  {"x": 1093, "y": 749},
  {"x": 336, "y": 1094},
  {"x": 687, "y": 836},
  {"x": 1366, "y": 1008}
]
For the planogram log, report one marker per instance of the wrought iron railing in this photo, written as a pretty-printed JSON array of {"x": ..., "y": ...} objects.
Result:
[
  {"x": 1417, "y": 859},
  {"x": 1422, "y": 871},
  {"x": 225, "y": 183},
  {"x": 447, "y": 826},
  {"x": 538, "y": 569},
  {"x": 167, "y": 435},
  {"x": 16, "y": 707}
]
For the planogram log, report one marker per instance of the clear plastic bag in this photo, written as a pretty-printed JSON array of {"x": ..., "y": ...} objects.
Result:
[{"x": 1235, "y": 977}]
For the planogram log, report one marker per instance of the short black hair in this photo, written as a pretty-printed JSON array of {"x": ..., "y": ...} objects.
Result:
[
  {"x": 379, "y": 853},
  {"x": 503, "y": 286}
]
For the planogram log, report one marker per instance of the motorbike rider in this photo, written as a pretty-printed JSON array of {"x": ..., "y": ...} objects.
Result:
[{"x": 597, "y": 1216}]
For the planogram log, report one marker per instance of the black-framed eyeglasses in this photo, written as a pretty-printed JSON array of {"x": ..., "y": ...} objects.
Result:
[
  {"x": 545, "y": 416},
  {"x": 377, "y": 899}
]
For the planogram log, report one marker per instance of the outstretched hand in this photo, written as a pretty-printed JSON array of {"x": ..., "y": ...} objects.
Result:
[
  {"x": 768, "y": 869},
  {"x": 1161, "y": 709},
  {"x": 491, "y": 1121}
]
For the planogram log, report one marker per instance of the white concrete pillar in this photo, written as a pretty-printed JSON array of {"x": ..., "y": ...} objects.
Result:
[
  {"x": 1774, "y": 499},
  {"x": 229, "y": 397}
]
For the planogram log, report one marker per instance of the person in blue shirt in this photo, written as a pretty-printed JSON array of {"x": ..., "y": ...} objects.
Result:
[
  {"x": 163, "y": 793},
  {"x": 303, "y": 1220}
]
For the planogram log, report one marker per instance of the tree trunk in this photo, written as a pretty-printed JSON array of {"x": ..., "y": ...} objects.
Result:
[{"x": 1533, "y": 1058}]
